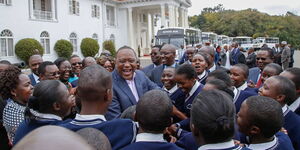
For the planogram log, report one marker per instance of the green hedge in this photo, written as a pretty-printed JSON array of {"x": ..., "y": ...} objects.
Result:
[
  {"x": 89, "y": 47},
  {"x": 63, "y": 48},
  {"x": 110, "y": 46},
  {"x": 28, "y": 47}
]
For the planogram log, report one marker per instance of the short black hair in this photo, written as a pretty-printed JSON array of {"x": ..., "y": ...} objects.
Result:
[
  {"x": 93, "y": 82},
  {"x": 287, "y": 88},
  {"x": 129, "y": 113},
  {"x": 157, "y": 46},
  {"x": 222, "y": 75},
  {"x": 126, "y": 47},
  {"x": 221, "y": 85},
  {"x": 269, "y": 50},
  {"x": 204, "y": 55},
  {"x": 276, "y": 67},
  {"x": 188, "y": 70},
  {"x": 59, "y": 61},
  {"x": 213, "y": 115},
  {"x": 9, "y": 81},
  {"x": 154, "y": 111},
  {"x": 244, "y": 67},
  {"x": 84, "y": 61},
  {"x": 6, "y": 62},
  {"x": 266, "y": 114},
  {"x": 296, "y": 76},
  {"x": 73, "y": 56},
  {"x": 43, "y": 65},
  {"x": 95, "y": 138}
]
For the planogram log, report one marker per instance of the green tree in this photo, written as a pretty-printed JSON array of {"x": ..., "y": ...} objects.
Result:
[
  {"x": 63, "y": 48},
  {"x": 28, "y": 47},
  {"x": 89, "y": 47}
]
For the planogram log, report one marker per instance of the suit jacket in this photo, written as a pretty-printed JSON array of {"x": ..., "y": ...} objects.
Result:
[
  {"x": 236, "y": 57},
  {"x": 253, "y": 74},
  {"x": 148, "y": 69},
  {"x": 32, "y": 80},
  {"x": 122, "y": 95}
]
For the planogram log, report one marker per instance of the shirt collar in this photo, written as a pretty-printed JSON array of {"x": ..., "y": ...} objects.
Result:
[
  {"x": 150, "y": 137},
  {"x": 266, "y": 145},
  {"x": 172, "y": 90},
  {"x": 173, "y": 66},
  {"x": 243, "y": 87},
  {"x": 194, "y": 88},
  {"x": 45, "y": 116},
  {"x": 235, "y": 92},
  {"x": 213, "y": 68},
  {"x": 134, "y": 74},
  {"x": 89, "y": 117},
  {"x": 223, "y": 145},
  {"x": 202, "y": 74},
  {"x": 285, "y": 109},
  {"x": 295, "y": 104},
  {"x": 36, "y": 78}
]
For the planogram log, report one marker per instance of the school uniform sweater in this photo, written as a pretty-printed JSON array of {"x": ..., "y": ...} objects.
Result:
[{"x": 292, "y": 125}]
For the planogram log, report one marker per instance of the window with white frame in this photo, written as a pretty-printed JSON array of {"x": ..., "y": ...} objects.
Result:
[
  {"x": 95, "y": 11},
  {"x": 6, "y": 43},
  {"x": 110, "y": 15},
  {"x": 95, "y": 36},
  {"x": 45, "y": 41},
  {"x": 5, "y": 2},
  {"x": 73, "y": 40},
  {"x": 74, "y": 7},
  {"x": 112, "y": 38}
]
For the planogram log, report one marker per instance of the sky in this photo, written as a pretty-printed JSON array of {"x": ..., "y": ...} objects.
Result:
[{"x": 272, "y": 7}]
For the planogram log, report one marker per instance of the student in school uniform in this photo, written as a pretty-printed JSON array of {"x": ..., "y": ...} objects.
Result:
[
  {"x": 50, "y": 103},
  {"x": 153, "y": 122},
  {"x": 212, "y": 121},
  {"x": 239, "y": 75},
  {"x": 270, "y": 70},
  {"x": 168, "y": 80},
  {"x": 95, "y": 93},
  {"x": 200, "y": 63},
  {"x": 294, "y": 75},
  {"x": 260, "y": 118},
  {"x": 283, "y": 91},
  {"x": 239, "y": 95}
]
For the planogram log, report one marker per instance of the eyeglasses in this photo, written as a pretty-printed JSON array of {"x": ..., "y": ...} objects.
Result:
[
  {"x": 260, "y": 58},
  {"x": 74, "y": 64}
]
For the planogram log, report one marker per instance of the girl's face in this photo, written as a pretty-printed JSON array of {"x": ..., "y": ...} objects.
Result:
[
  {"x": 199, "y": 63},
  {"x": 23, "y": 90}
]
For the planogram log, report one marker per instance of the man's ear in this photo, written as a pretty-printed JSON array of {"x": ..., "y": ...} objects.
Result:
[
  {"x": 254, "y": 130},
  {"x": 56, "y": 106},
  {"x": 108, "y": 95},
  {"x": 281, "y": 98}
]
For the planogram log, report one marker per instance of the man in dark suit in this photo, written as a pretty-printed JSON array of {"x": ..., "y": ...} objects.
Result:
[
  {"x": 34, "y": 63},
  {"x": 236, "y": 56},
  {"x": 129, "y": 84},
  {"x": 167, "y": 54},
  {"x": 277, "y": 50},
  {"x": 155, "y": 58},
  {"x": 251, "y": 58},
  {"x": 264, "y": 56}
]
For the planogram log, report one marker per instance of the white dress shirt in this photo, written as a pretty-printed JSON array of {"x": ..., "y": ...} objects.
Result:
[
  {"x": 149, "y": 137},
  {"x": 264, "y": 146},
  {"x": 132, "y": 87},
  {"x": 295, "y": 104},
  {"x": 243, "y": 86},
  {"x": 223, "y": 145}
]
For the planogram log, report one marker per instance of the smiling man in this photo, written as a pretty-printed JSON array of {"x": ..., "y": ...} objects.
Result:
[{"x": 129, "y": 84}]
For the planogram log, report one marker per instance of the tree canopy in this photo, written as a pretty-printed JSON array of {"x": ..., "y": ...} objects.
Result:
[{"x": 249, "y": 22}]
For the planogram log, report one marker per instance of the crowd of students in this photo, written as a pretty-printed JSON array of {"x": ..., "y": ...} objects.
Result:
[{"x": 113, "y": 103}]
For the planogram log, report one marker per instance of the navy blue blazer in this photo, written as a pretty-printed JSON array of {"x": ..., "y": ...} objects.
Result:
[
  {"x": 157, "y": 73},
  {"x": 32, "y": 80},
  {"x": 148, "y": 69},
  {"x": 152, "y": 146},
  {"x": 241, "y": 97},
  {"x": 292, "y": 125},
  {"x": 122, "y": 95},
  {"x": 120, "y": 132},
  {"x": 253, "y": 74}
]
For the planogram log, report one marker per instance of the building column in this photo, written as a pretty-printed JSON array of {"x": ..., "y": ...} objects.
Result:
[
  {"x": 149, "y": 33},
  {"x": 31, "y": 9},
  {"x": 130, "y": 28},
  {"x": 163, "y": 15},
  {"x": 176, "y": 16},
  {"x": 171, "y": 16},
  {"x": 152, "y": 27},
  {"x": 181, "y": 17},
  {"x": 186, "y": 18},
  {"x": 53, "y": 9}
]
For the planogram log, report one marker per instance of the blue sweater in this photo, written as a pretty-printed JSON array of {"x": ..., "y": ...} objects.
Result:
[{"x": 152, "y": 146}]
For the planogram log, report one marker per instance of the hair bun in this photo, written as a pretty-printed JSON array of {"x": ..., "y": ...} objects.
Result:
[{"x": 223, "y": 120}]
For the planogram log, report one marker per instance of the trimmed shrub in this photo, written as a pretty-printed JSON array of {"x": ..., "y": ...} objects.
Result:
[
  {"x": 110, "y": 46},
  {"x": 28, "y": 47},
  {"x": 89, "y": 47},
  {"x": 63, "y": 48}
]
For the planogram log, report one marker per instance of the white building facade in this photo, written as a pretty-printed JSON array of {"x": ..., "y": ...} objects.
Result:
[{"x": 126, "y": 22}]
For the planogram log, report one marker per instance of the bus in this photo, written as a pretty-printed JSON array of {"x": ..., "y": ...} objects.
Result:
[
  {"x": 270, "y": 41},
  {"x": 244, "y": 41},
  {"x": 179, "y": 37},
  {"x": 222, "y": 40},
  {"x": 210, "y": 37}
]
